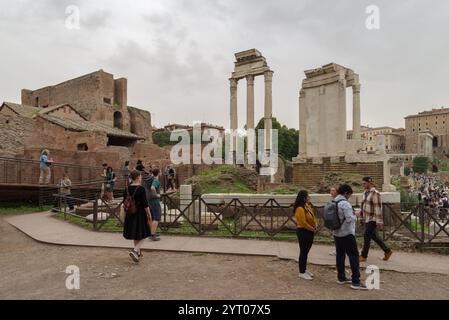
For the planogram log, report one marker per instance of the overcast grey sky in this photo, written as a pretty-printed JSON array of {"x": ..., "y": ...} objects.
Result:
[{"x": 178, "y": 54}]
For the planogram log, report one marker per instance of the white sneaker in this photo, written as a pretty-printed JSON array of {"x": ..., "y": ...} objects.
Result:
[
  {"x": 305, "y": 276},
  {"x": 310, "y": 273},
  {"x": 333, "y": 253}
]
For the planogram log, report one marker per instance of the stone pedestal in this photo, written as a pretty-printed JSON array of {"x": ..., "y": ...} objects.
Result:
[
  {"x": 185, "y": 198},
  {"x": 387, "y": 186}
]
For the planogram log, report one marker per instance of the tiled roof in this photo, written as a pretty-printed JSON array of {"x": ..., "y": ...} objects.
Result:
[
  {"x": 54, "y": 108},
  {"x": 22, "y": 110},
  {"x": 81, "y": 125}
]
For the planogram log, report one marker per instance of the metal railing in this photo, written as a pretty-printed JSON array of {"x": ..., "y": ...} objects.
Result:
[
  {"x": 23, "y": 171},
  {"x": 270, "y": 219},
  {"x": 422, "y": 224}
]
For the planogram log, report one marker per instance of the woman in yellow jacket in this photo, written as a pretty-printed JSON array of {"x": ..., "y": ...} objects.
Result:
[{"x": 306, "y": 228}]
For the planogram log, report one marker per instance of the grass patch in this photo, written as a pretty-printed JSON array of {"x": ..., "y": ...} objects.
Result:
[
  {"x": 11, "y": 208},
  {"x": 224, "y": 179},
  {"x": 287, "y": 189}
]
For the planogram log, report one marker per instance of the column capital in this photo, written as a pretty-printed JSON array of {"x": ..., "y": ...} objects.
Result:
[
  {"x": 342, "y": 84},
  {"x": 356, "y": 88},
  {"x": 268, "y": 75},
  {"x": 250, "y": 79},
  {"x": 302, "y": 93},
  {"x": 233, "y": 82}
]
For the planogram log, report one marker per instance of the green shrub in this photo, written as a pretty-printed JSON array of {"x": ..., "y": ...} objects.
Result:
[
  {"x": 407, "y": 171},
  {"x": 421, "y": 164},
  {"x": 408, "y": 200}
]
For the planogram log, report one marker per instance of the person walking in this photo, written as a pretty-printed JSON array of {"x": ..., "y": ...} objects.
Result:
[
  {"x": 371, "y": 215},
  {"x": 154, "y": 202},
  {"x": 103, "y": 176},
  {"x": 110, "y": 182},
  {"x": 140, "y": 167},
  {"x": 126, "y": 172},
  {"x": 306, "y": 229},
  {"x": 170, "y": 176},
  {"x": 136, "y": 226},
  {"x": 44, "y": 166},
  {"x": 65, "y": 186},
  {"x": 345, "y": 242},
  {"x": 333, "y": 193}
]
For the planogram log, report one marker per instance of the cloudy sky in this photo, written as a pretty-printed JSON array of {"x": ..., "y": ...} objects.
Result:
[{"x": 178, "y": 54}]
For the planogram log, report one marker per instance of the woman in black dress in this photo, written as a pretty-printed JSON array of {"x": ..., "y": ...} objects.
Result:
[{"x": 137, "y": 225}]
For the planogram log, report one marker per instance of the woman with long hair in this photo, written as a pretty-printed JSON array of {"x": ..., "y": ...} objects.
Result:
[
  {"x": 136, "y": 225},
  {"x": 306, "y": 228}
]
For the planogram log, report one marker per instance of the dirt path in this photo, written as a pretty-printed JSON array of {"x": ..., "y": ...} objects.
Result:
[{"x": 31, "y": 270}]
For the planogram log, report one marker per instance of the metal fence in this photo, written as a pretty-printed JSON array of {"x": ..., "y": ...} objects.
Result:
[
  {"x": 421, "y": 224},
  {"x": 23, "y": 171},
  {"x": 270, "y": 219}
]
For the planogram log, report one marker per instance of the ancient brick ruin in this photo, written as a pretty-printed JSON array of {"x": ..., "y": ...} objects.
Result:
[{"x": 85, "y": 121}]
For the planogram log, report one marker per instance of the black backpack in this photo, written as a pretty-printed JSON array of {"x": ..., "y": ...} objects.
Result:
[{"x": 330, "y": 216}]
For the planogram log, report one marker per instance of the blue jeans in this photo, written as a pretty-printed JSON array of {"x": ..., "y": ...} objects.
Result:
[{"x": 347, "y": 246}]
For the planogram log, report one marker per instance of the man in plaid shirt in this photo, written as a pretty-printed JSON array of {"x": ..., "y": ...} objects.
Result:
[{"x": 372, "y": 216}]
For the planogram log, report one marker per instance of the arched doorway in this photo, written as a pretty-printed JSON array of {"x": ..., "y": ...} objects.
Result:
[
  {"x": 118, "y": 120},
  {"x": 435, "y": 142}
]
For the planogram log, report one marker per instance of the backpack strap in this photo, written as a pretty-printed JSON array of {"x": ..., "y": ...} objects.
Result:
[{"x": 336, "y": 203}]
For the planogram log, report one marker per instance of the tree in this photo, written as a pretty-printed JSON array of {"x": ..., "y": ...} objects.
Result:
[
  {"x": 421, "y": 164},
  {"x": 162, "y": 138},
  {"x": 287, "y": 139}
]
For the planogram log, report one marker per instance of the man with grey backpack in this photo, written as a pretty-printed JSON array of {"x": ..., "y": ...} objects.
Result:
[{"x": 340, "y": 218}]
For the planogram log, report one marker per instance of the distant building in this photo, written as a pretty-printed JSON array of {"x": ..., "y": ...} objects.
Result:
[
  {"x": 394, "y": 139},
  {"x": 206, "y": 128},
  {"x": 433, "y": 122}
]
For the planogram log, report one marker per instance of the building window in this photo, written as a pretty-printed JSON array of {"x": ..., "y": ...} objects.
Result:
[
  {"x": 82, "y": 147},
  {"x": 107, "y": 100}
]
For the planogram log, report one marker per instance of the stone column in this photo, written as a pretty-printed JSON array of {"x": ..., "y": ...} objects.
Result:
[
  {"x": 342, "y": 134},
  {"x": 250, "y": 102},
  {"x": 302, "y": 124},
  {"x": 233, "y": 109},
  {"x": 251, "y": 141},
  {"x": 323, "y": 150},
  {"x": 268, "y": 108},
  {"x": 356, "y": 130}
]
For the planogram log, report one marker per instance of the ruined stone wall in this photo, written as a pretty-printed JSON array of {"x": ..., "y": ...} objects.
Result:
[
  {"x": 14, "y": 131},
  {"x": 85, "y": 93},
  {"x": 309, "y": 175},
  {"x": 48, "y": 135},
  {"x": 149, "y": 152},
  {"x": 94, "y": 140},
  {"x": 140, "y": 123}
]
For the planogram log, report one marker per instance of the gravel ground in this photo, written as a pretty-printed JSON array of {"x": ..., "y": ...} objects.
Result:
[{"x": 32, "y": 270}]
